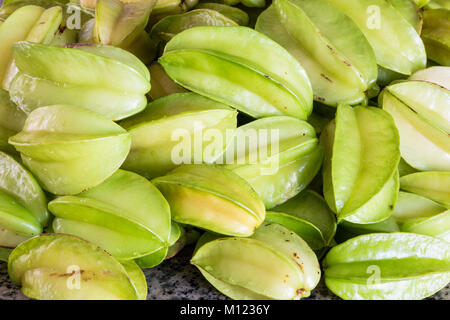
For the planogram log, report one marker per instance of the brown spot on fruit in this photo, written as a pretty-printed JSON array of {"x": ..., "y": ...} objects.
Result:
[{"x": 326, "y": 78}]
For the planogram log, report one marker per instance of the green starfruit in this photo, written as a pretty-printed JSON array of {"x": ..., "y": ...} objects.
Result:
[
  {"x": 107, "y": 80},
  {"x": 182, "y": 128},
  {"x": 417, "y": 214},
  {"x": 274, "y": 263},
  {"x": 421, "y": 113},
  {"x": 64, "y": 267},
  {"x": 166, "y": 28},
  {"x": 125, "y": 215},
  {"x": 237, "y": 15},
  {"x": 119, "y": 23},
  {"x": 31, "y": 23},
  {"x": 437, "y": 4},
  {"x": 347, "y": 230},
  {"x": 307, "y": 215},
  {"x": 11, "y": 121},
  {"x": 241, "y": 68},
  {"x": 23, "y": 206},
  {"x": 388, "y": 266},
  {"x": 436, "y": 35},
  {"x": 396, "y": 43},
  {"x": 213, "y": 198},
  {"x": 278, "y": 156},
  {"x": 360, "y": 177},
  {"x": 335, "y": 54},
  {"x": 421, "y": 3},
  {"x": 434, "y": 185},
  {"x": 161, "y": 84},
  {"x": 70, "y": 149}
]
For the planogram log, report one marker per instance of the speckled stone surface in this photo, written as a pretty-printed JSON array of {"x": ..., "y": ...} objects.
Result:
[{"x": 177, "y": 279}]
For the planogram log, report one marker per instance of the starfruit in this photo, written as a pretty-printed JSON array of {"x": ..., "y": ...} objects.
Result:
[
  {"x": 307, "y": 215},
  {"x": 436, "y": 35},
  {"x": 434, "y": 185},
  {"x": 247, "y": 3},
  {"x": 104, "y": 79},
  {"x": 176, "y": 246},
  {"x": 11, "y": 121},
  {"x": 71, "y": 149},
  {"x": 125, "y": 215},
  {"x": 166, "y": 28},
  {"x": 388, "y": 266},
  {"x": 278, "y": 156},
  {"x": 274, "y": 263},
  {"x": 182, "y": 128},
  {"x": 417, "y": 214},
  {"x": 212, "y": 198},
  {"x": 164, "y": 8},
  {"x": 237, "y": 15},
  {"x": 23, "y": 206},
  {"x": 421, "y": 113},
  {"x": 65, "y": 267},
  {"x": 155, "y": 258},
  {"x": 161, "y": 84},
  {"x": 360, "y": 177},
  {"x": 335, "y": 54},
  {"x": 241, "y": 68},
  {"x": 396, "y": 43},
  {"x": 31, "y": 23},
  {"x": 119, "y": 23},
  {"x": 410, "y": 11},
  {"x": 421, "y": 3}
]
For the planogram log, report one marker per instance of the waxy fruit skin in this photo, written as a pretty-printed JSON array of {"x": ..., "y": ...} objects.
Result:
[
  {"x": 421, "y": 114},
  {"x": 70, "y": 149},
  {"x": 241, "y": 68},
  {"x": 388, "y": 266},
  {"x": 274, "y": 263},
  {"x": 181, "y": 128}
]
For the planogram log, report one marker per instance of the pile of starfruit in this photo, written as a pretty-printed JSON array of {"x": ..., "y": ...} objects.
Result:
[{"x": 284, "y": 143}]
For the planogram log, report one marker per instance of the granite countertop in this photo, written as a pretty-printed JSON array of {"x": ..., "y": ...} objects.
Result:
[{"x": 177, "y": 279}]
